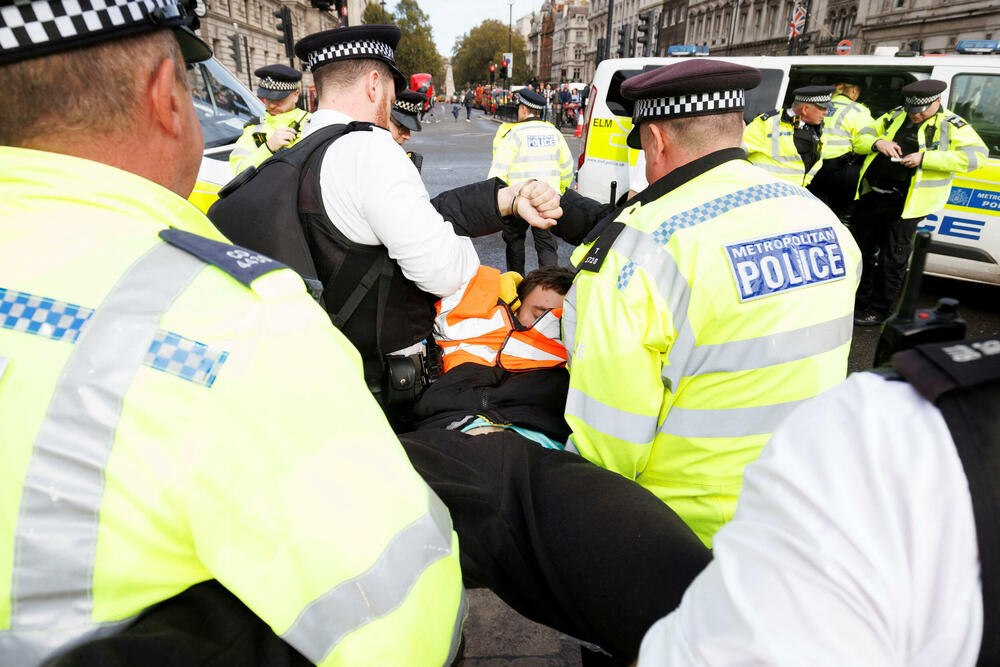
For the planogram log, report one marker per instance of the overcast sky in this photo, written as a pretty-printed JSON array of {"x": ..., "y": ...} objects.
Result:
[{"x": 452, "y": 18}]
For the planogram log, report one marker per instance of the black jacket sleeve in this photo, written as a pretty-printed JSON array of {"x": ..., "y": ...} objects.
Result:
[
  {"x": 582, "y": 216},
  {"x": 472, "y": 209}
]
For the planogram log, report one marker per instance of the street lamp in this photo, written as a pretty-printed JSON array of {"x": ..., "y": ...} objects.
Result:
[{"x": 510, "y": 37}]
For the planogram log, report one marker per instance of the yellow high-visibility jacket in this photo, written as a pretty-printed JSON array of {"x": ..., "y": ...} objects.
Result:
[
  {"x": 704, "y": 314},
  {"x": 174, "y": 412},
  {"x": 770, "y": 144},
  {"x": 251, "y": 148},
  {"x": 953, "y": 146},
  {"x": 532, "y": 149},
  {"x": 842, "y": 127}
]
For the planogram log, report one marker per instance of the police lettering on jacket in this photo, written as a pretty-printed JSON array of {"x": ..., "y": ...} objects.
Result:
[{"x": 769, "y": 265}]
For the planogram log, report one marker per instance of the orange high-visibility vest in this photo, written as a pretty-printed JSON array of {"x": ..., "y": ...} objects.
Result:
[{"x": 476, "y": 325}]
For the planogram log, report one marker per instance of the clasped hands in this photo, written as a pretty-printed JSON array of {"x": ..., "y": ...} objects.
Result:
[{"x": 537, "y": 203}]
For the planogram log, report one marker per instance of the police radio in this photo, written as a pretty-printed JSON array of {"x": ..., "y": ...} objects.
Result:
[{"x": 908, "y": 326}]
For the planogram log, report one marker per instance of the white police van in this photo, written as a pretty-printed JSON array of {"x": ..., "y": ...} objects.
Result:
[
  {"x": 966, "y": 231},
  {"x": 223, "y": 105}
]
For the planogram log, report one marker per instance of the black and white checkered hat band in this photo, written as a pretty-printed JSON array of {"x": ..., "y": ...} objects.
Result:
[
  {"x": 921, "y": 101},
  {"x": 688, "y": 105},
  {"x": 33, "y": 25},
  {"x": 366, "y": 48},
  {"x": 267, "y": 83},
  {"x": 814, "y": 99},
  {"x": 407, "y": 107},
  {"x": 530, "y": 105}
]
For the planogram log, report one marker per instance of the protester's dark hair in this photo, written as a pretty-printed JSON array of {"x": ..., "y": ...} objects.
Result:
[{"x": 556, "y": 278}]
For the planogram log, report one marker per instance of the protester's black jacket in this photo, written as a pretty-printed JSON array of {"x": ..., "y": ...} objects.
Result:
[{"x": 531, "y": 399}]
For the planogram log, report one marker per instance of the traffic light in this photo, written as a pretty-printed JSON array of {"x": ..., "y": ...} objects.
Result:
[
  {"x": 629, "y": 42},
  {"x": 493, "y": 71},
  {"x": 642, "y": 31},
  {"x": 322, "y": 5},
  {"x": 803, "y": 44},
  {"x": 621, "y": 42},
  {"x": 600, "y": 49},
  {"x": 234, "y": 47},
  {"x": 285, "y": 28}
]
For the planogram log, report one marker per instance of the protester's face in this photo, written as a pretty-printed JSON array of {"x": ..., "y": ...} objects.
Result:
[
  {"x": 399, "y": 133},
  {"x": 536, "y": 302}
]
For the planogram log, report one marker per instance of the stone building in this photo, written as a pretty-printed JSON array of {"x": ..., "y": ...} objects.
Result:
[
  {"x": 254, "y": 22},
  {"x": 626, "y": 15},
  {"x": 928, "y": 26},
  {"x": 569, "y": 42}
]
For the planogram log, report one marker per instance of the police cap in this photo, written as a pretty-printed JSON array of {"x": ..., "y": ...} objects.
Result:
[
  {"x": 697, "y": 87},
  {"x": 277, "y": 81},
  {"x": 406, "y": 109},
  {"x": 818, "y": 95},
  {"x": 356, "y": 42},
  {"x": 531, "y": 99},
  {"x": 919, "y": 95},
  {"x": 43, "y": 27}
]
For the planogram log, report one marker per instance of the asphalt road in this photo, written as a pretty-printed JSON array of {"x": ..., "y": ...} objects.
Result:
[{"x": 458, "y": 152}]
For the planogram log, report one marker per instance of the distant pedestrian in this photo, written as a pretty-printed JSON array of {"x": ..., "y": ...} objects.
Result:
[
  {"x": 468, "y": 106},
  {"x": 455, "y": 109}
]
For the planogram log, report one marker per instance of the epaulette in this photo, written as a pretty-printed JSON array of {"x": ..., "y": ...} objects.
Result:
[
  {"x": 242, "y": 264},
  {"x": 253, "y": 121},
  {"x": 956, "y": 121},
  {"x": 936, "y": 368},
  {"x": 769, "y": 114}
]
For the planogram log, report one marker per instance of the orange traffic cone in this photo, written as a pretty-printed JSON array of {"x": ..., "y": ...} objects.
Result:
[{"x": 579, "y": 123}]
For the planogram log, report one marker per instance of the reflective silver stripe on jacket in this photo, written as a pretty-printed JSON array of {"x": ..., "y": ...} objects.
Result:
[
  {"x": 569, "y": 323},
  {"x": 621, "y": 424},
  {"x": 938, "y": 183},
  {"x": 726, "y": 422},
  {"x": 55, "y": 540},
  {"x": 974, "y": 154},
  {"x": 379, "y": 590}
]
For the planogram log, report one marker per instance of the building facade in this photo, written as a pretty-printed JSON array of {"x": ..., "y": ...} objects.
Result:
[
  {"x": 927, "y": 26},
  {"x": 626, "y": 17},
  {"x": 255, "y": 24},
  {"x": 569, "y": 42}
]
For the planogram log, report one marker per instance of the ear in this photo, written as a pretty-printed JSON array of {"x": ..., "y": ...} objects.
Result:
[
  {"x": 372, "y": 82},
  {"x": 165, "y": 98},
  {"x": 656, "y": 138}
]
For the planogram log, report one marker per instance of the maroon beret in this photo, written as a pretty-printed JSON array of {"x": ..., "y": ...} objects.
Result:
[{"x": 696, "y": 87}]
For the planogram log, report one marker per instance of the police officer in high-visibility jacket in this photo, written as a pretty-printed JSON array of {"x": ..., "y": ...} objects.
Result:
[
  {"x": 788, "y": 143},
  {"x": 718, "y": 300},
  {"x": 160, "y": 388},
  {"x": 530, "y": 149},
  {"x": 838, "y": 178},
  {"x": 279, "y": 89},
  {"x": 914, "y": 151}
]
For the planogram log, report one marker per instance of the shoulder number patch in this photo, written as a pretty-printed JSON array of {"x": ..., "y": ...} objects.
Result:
[
  {"x": 242, "y": 264},
  {"x": 771, "y": 265},
  {"x": 602, "y": 246}
]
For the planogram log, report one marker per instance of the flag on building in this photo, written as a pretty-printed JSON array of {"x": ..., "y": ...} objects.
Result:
[{"x": 798, "y": 22}]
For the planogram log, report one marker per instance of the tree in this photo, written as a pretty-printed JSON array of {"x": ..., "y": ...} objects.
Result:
[
  {"x": 416, "y": 51},
  {"x": 485, "y": 44},
  {"x": 372, "y": 13}
]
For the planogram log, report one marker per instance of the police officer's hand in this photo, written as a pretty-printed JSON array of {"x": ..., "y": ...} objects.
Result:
[
  {"x": 538, "y": 205},
  {"x": 913, "y": 160},
  {"x": 888, "y": 148},
  {"x": 280, "y": 137}
]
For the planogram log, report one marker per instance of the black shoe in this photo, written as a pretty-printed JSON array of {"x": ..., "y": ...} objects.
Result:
[{"x": 869, "y": 318}]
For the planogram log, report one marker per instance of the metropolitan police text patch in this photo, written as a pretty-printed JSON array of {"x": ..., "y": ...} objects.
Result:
[{"x": 770, "y": 265}]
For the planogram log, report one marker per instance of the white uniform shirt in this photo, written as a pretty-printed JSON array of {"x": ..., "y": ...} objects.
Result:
[
  {"x": 373, "y": 194},
  {"x": 853, "y": 544}
]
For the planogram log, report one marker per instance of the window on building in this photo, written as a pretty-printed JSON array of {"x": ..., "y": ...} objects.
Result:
[
  {"x": 897, "y": 4},
  {"x": 741, "y": 27},
  {"x": 772, "y": 16},
  {"x": 976, "y": 98},
  {"x": 756, "y": 22},
  {"x": 850, "y": 20}
]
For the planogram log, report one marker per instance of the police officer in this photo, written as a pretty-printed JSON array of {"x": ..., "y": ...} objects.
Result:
[
  {"x": 837, "y": 179},
  {"x": 528, "y": 149},
  {"x": 718, "y": 300},
  {"x": 789, "y": 143},
  {"x": 383, "y": 251},
  {"x": 405, "y": 118},
  {"x": 875, "y": 507},
  {"x": 913, "y": 154},
  {"x": 159, "y": 389},
  {"x": 279, "y": 90}
]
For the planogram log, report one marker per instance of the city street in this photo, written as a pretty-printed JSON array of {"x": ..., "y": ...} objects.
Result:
[{"x": 456, "y": 153}]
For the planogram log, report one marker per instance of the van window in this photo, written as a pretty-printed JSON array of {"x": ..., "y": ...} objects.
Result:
[
  {"x": 880, "y": 87},
  {"x": 223, "y": 105},
  {"x": 764, "y": 97},
  {"x": 976, "y": 98},
  {"x": 618, "y": 105}
]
